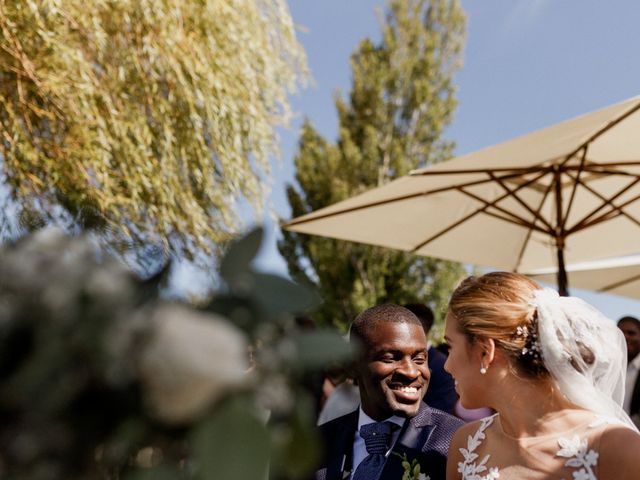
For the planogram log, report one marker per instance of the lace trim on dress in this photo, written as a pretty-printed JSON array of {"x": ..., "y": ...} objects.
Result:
[
  {"x": 469, "y": 469},
  {"x": 574, "y": 449}
]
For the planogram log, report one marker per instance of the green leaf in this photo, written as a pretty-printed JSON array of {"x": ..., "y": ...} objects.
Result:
[
  {"x": 296, "y": 446},
  {"x": 236, "y": 264},
  {"x": 242, "y": 312},
  {"x": 232, "y": 443},
  {"x": 316, "y": 349},
  {"x": 277, "y": 295},
  {"x": 161, "y": 472}
]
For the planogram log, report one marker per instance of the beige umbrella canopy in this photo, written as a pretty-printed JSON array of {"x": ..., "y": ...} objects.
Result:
[
  {"x": 619, "y": 276},
  {"x": 567, "y": 193}
]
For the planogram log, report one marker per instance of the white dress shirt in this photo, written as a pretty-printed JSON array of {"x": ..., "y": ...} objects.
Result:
[
  {"x": 633, "y": 368},
  {"x": 359, "y": 448}
]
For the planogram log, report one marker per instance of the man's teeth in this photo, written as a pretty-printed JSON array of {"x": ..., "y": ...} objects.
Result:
[{"x": 409, "y": 389}]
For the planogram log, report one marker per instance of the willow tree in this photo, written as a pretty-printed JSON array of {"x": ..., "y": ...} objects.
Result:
[
  {"x": 402, "y": 98},
  {"x": 150, "y": 119}
]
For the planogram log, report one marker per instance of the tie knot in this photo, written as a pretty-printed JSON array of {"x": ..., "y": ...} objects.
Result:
[{"x": 376, "y": 436}]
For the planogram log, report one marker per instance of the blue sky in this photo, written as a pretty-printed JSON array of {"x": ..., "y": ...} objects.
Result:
[{"x": 527, "y": 64}]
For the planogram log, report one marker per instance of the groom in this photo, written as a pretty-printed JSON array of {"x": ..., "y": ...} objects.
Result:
[{"x": 392, "y": 423}]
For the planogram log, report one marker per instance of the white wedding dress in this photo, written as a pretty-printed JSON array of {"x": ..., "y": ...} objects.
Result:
[{"x": 572, "y": 454}]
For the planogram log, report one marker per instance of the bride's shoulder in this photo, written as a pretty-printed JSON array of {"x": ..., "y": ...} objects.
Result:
[{"x": 619, "y": 452}]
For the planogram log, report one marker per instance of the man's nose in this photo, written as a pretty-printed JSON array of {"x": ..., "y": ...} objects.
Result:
[{"x": 408, "y": 368}]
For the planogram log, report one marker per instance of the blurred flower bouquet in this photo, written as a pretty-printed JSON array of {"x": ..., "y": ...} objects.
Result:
[{"x": 100, "y": 378}]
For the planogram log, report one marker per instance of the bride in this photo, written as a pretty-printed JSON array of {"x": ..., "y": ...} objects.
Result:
[{"x": 553, "y": 369}]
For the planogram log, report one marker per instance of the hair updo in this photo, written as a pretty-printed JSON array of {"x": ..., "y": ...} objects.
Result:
[{"x": 498, "y": 305}]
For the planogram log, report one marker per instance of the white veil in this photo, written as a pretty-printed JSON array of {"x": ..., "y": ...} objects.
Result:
[{"x": 584, "y": 351}]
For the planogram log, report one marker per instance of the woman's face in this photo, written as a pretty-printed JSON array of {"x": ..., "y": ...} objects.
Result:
[{"x": 464, "y": 364}]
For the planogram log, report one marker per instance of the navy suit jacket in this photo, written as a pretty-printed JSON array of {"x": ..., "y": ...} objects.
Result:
[{"x": 425, "y": 437}]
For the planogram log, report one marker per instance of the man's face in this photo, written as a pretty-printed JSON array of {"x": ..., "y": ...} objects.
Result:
[
  {"x": 632, "y": 336},
  {"x": 393, "y": 375}
]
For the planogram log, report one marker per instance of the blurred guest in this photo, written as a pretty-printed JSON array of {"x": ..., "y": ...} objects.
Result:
[
  {"x": 442, "y": 391},
  {"x": 630, "y": 327}
]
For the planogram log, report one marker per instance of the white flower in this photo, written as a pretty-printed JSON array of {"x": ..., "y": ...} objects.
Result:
[
  {"x": 582, "y": 475},
  {"x": 191, "y": 359},
  {"x": 572, "y": 447},
  {"x": 424, "y": 476},
  {"x": 591, "y": 458}
]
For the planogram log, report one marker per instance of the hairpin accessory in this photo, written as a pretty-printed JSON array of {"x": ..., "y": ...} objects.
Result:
[{"x": 530, "y": 337}]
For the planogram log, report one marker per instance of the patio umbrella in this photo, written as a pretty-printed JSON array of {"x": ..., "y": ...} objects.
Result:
[
  {"x": 566, "y": 193},
  {"x": 619, "y": 276}
]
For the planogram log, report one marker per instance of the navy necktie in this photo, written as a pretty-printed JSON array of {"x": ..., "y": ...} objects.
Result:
[{"x": 377, "y": 438}]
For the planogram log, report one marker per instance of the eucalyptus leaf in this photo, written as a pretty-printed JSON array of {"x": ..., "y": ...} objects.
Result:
[
  {"x": 161, "y": 472},
  {"x": 277, "y": 295},
  {"x": 232, "y": 444},
  {"x": 237, "y": 261},
  {"x": 298, "y": 450},
  {"x": 242, "y": 312},
  {"x": 317, "y": 349}
]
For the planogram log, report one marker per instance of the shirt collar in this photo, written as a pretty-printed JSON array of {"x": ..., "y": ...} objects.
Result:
[{"x": 364, "y": 419}]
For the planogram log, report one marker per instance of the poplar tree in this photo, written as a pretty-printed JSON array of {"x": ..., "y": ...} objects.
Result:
[
  {"x": 147, "y": 119},
  {"x": 401, "y": 99}
]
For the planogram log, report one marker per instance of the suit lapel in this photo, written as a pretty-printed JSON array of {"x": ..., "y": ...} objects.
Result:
[{"x": 414, "y": 434}]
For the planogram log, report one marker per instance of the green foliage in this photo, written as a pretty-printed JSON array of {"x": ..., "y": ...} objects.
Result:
[
  {"x": 401, "y": 99},
  {"x": 149, "y": 119},
  {"x": 99, "y": 378}
]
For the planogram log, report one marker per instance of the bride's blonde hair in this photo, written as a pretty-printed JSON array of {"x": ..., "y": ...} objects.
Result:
[{"x": 498, "y": 305}]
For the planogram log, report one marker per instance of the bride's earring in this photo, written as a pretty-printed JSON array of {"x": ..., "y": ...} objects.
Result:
[{"x": 483, "y": 369}]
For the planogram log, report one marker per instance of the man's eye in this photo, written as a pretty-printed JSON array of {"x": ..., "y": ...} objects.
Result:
[
  {"x": 420, "y": 359},
  {"x": 387, "y": 358}
]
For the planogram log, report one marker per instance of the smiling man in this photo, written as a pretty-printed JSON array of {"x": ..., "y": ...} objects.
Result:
[{"x": 392, "y": 423}]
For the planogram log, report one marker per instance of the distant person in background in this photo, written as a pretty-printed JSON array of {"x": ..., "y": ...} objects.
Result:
[
  {"x": 442, "y": 391},
  {"x": 630, "y": 327},
  {"x": 340, "y": 398}
]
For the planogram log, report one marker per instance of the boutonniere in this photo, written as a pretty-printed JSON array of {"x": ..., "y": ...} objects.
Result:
[{"x": 411, "y": 469}]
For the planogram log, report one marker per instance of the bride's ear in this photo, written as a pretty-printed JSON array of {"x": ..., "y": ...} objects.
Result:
[{"x": 488, "y": 350}]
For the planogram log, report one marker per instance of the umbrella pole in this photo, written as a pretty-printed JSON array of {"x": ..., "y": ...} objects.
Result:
[
  {"x": 562, "y": 273},
  {"x": 563, "y": 287}
]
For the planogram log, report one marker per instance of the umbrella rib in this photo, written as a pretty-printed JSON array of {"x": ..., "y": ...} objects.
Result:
[
  {"x": 620, "y": 283},
  {"x": 516, "y": 171},
  {"x": 604, "y": 217},
  {"x": 615, "y": 211},
  {"x": 575, "y": 187},
  {"x": 509, "y": 216},
  {"x": 601, "y": 171},
  {"x": 480, "y": 210},
  {"x": 603, "y": 130},
  {"x": 528, "y": 236},
  {"x": 300, "y": 221},
  {"x": 536, "y": 214},
  {"x": 584, "y": 221},
  {"x": 632, "y": 163}
]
